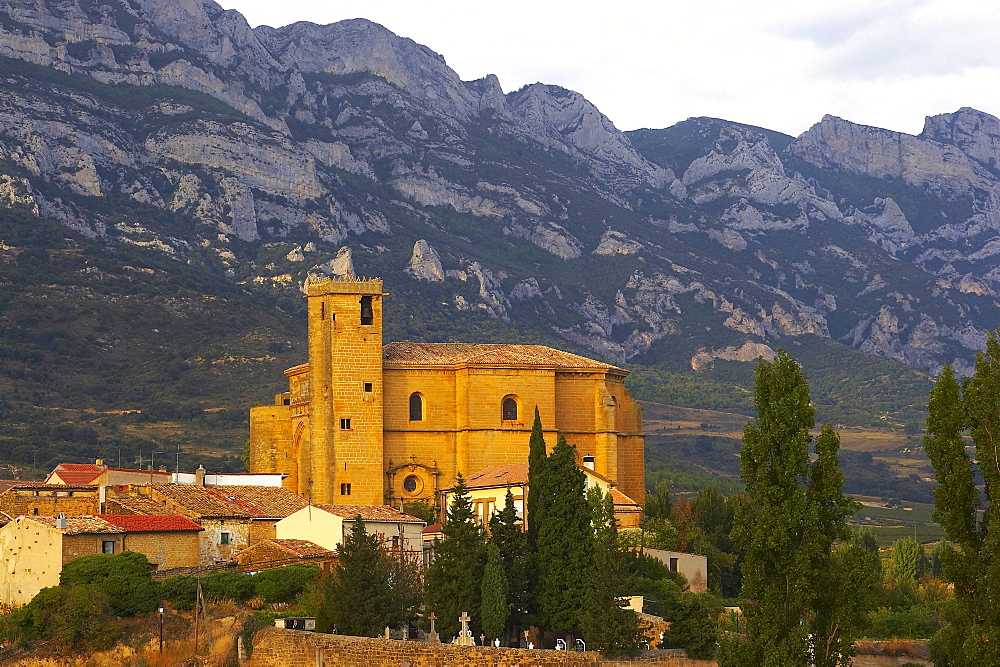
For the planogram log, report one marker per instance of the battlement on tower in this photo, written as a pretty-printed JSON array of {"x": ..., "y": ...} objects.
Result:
[{"x": 326, "y": 286}]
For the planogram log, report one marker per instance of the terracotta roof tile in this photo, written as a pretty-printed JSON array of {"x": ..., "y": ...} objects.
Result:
[
  {"x": 139, "y": 523},
  {"x": 79, "y": 525},
  {"x": 484, "y": 354},
  {"x": 623, "y": 502},
  {"x": 507, "y": 474},
  {"x": 141, "y": 505},
  {"x": 369, "y": 513},
  {"x": 201, "y": 503},
  {"x": 262, "y": 502},
  {"x": 300, "y": 548}
]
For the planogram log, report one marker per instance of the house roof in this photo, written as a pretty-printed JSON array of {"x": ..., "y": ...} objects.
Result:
[
  {"x": 623, "y": 503},
  {"x": 484, "y": 354},
  {"x": 199, "y": 502},
  {"x": 140, "y": 523},
  {"x": 300, "y": 548},
  {"x": 78, "y": 525},
  {"x": 383, "y": 513},
  {"x": 11, "y": 483},
  {"x": 514, "y": 474},
  {"x": 141, "y": 505},
  {"x": 76, "y": 473},
  {"x": 262, "y": 502},
  {"x": 505, "y": 474}
]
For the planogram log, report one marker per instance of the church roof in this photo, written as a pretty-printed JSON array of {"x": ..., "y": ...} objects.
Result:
[{"x": 485, "y": 354}]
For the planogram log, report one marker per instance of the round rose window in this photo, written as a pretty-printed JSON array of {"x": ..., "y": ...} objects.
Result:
[{"x": 411, "y": 484}]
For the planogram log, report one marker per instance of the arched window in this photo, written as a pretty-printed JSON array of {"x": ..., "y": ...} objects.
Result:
[
  {"x": 416, "y": 407},
  {"x": 509, "y": 409}
]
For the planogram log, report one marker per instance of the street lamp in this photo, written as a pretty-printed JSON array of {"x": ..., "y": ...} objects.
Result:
[{"x": 161, "y": 627}]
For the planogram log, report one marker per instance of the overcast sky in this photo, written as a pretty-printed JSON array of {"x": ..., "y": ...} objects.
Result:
[{"x": 779, "y": 64}]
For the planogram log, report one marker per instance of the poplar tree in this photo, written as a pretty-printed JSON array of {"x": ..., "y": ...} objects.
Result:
[
  {"x": 787, "y": 522},
  {"x": 453, "y": 583},
  {"x": 973, "y": 635}
]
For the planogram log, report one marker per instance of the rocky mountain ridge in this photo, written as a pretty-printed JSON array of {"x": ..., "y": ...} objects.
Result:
[{"x": 273, "y": 154}]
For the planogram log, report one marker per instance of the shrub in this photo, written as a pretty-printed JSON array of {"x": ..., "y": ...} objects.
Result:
[
  {"x": 124, "y": 578},
  {"x": 284, "y": 584},
  {"x": 78, "y": 616}
]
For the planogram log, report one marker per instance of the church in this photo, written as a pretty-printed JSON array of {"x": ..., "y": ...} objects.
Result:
[{"x": 367, "y": 423}]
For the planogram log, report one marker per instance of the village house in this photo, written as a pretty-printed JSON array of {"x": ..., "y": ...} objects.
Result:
[
  {"x": 33, "y": 549},
  {"x": 488, "y": 492},
  {"x": 99, "y": 474},
  {"x": 327, "y": 525},
  {"x": 41, "y": 499},
  {"x": 275, "y": 552},
  {"x": 693, "y": 567},
  {"x": 233, "y": 517},
  {"x": 167, "y": 541}
]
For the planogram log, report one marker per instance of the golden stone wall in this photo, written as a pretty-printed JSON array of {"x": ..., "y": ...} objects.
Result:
[
  {"x": 166, "y": 549},
  {"x": 274, "y": 647}
]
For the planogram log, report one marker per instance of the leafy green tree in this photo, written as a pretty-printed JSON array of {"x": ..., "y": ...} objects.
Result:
[
  {"x": 607, "y": 626},
  {"x": 453, "y": 582},
  {"x": 421, "y": 510},
  {"x": 78, "y": 616},
  {"x": 973, "y": 635},
  {"x": 907, "y": 563},
  {"x": 847, "y": 590},
  {"x": 358, "y": 597},
  {"x": 496, "y": 591},
  {"x": 124, "y": 578},
  {"x": 657, "y": 504},
  {"x": 693, "y": 626},
  {"x": 564, "y": 542},
  {"x": 787, "y": 522},
  {"x": 512, "y": 543}
]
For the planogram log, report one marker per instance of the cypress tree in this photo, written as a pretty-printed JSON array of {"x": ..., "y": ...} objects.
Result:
[
  {"x": 453, "y": 583},
  {"x": 537, "y": 459},
  {"x": 564, "y": 543},
  {"x": 495, "y": 604},
  {"x": 512, "y": 543}
]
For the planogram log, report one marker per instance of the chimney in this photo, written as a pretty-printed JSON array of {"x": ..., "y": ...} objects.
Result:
[
  {"x": 588, "y": 462},
  {"x": 199, "y": 476},
  {"x": 99, "y": 463},
  {"x": 61, "y": 521}
]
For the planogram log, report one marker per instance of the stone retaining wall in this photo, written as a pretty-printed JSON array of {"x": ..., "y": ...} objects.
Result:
[{"x": 295, "y": 648}]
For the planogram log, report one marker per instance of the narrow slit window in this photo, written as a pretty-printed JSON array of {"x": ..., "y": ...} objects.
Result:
[
  {"x": 416, "y": 407},
  {"x": 345, "y": 489},
  {"x": 367, "y": 314},
  {"x": 509, "y": 409}
]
